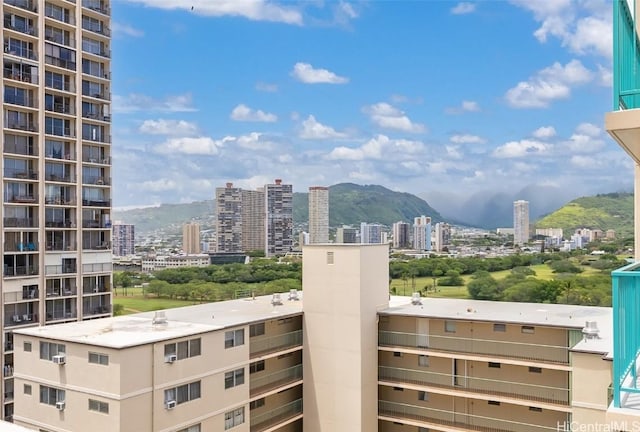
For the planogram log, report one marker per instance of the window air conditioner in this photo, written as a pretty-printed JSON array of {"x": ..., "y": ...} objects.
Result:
[
  {"x": 170, "y": 404},
  {"x": 59, "y": 359},
  {"x": 171, "y": 358},
  {"x": 60, "y": 405}
]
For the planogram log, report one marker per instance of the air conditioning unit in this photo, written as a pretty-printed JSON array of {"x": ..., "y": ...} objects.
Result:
[
  {"x": 171, "y": 358},
  {"x": 170, "y": 404},
  {"x": 60, "y": 405},
  {"x": 59, "y": 359}
]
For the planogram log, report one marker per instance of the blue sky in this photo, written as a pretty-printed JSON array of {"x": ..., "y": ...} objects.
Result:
[{"x": 438, "y": 98}]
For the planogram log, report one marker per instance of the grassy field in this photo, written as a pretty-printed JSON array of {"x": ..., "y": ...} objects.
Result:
[{"x": 135, "y": 301}]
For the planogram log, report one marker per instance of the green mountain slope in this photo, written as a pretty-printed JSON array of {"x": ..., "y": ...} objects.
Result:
[
  {"x": 350, "y": 204},
  {"x": 607, "y": 211},
  {"x": 169, "y": 217}
]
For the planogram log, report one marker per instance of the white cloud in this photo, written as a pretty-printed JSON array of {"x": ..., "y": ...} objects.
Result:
[
  {"x": 453, "y": 152},
  {"x": 585, "y": 139},
  {"x": 193, "y": 146},
  {"x": 266, "y": 87},
  {"x": 244, "y": 113},
  {"x": 581, "y": 161},
  {"x": 168, "y": 127},
  {"x": 463, "y": 8},
  {"x": 255, "y": 10},
  {"x": 313, "y": 129},
  {"x": 465, "y": 106},
  {"x": 253, "y": 141},
  {"x": 588, "y": 129},
  {"x": 160, "y": 185},
  {"x": 548, "y": 85},
  {"x": 522, "y": 167},
  {"x": 135, "y": 102},
  {"x": 120, "y": 29},
  {"x": 544, "y": 132},
  {"x": 605, "y": 76},
  {"x": 515, "y": 149},
  {"x": 390, "y": 117},
  {"x": 467, "y": 139},
  {"x": 583, "y": 27},
  {"x": 376, "y": 148},
  {"x": 306, "y": 73}
]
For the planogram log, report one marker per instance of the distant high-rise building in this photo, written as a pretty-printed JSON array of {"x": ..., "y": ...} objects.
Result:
[
  {"x": 229, "y": 218},
  {"x": 520, "y": 222},
  {"x": 346, "y": 234},
  {"x": 318, "y": 214},
  {"x": 191, "y": 238},
  {"x": 370, "y": 233},
  {"x": 279, "y": 218},
  {"x": 253, "y": 220},
  {"x": 422, "y": 233},
  {"x": 401, "y": 235},
  {"x": 443, "y": 236},
  {"x": 123, "y": 239}
]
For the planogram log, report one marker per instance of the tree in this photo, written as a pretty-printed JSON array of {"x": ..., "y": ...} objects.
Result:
[{"x": 484, "y": 288}]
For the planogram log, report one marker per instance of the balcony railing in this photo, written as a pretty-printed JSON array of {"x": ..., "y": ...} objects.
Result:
[
  {"x": 52, "y": 292},
  {"x": 20, "y": 247},
  {"x": 275, "y": 343},
  {"x": 20, "y": 319},
  {"x": 101, "y": 30},
  {"x": 61, "y": 246},
  {"x": 99, "y": 289},
  {"x": 60, "y": 39},
  {"x": 97, "y": 268},
  {"x": 67, "y": 223},
  {"x": 485, "y": 386},
  {"x": 461, "y": 420},
  {"x": 60, "y": 315},
  {"x": 60, "y": 178},
  {"x": 515, "y": 350},
  {"x": 23, "y": 149},
  {"x": 58, "y": 269},
  {"x": 274, "y": 380},
  {"x": 25, "y": 174},
  {"x": 10, "y": 271},
  {"x": 10, "y": 222},
  {"x": 26, "y": 29},
  {"x": 96, "y": 180},
  {"x": 271, "y": 418},
  {"x": 97, "y": 245},
  {"x": 56, "y": 61},
  {"x": 96, "y": 160},
  {"x": 96, "y": 6},
  {"x": 23, "y": 126},
  {"x": 23, "y": 4},
  {"x": 22, "y": 199},
  {"x": 20, "y": 52},
  {"x": 17, "y": 75},
  {"x": 96, "y": 310},
  {"x": 626, "y": 58},
  {"x": 96, "y": 202},
  {"x": 20, "y": 296},
  {"x": 96, "y": 224}
]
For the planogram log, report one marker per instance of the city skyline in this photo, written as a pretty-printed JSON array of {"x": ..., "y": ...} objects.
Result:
[{"x": 330, "y": 116}]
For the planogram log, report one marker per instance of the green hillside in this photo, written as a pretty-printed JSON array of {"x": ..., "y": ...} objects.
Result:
[
  {"x": 350, "y": 204},
  {"x": 607, "y": 211},
  {"x": 169, "y": 217}
]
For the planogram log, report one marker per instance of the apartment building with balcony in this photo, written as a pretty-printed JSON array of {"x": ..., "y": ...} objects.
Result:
[{"x": 56, "y": 168}]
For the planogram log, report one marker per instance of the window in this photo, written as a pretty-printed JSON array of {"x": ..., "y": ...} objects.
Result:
[
  {"x": 423, "y": 396},
  {"x": 26, "y": 347},
  {"x": 450, "y": 326},
  {"x": 535, "y": 409},
  {"x": 183, "y": 349},
  {"x": 493, "y": 403},
  {"x": 99, "y": 406},
  {"x": 50, "y": 349},
  {"x": 27, "y": 389},
  {"x": 194, "y": 428},
  {"x": 234, "y": 338},
  {"x": 533, "y": 369},
  {"x": 423, "y": 360},
  {"x": 499, "y": 328},
  {"x": 397, "y": 354},
  {"x": 233, "y": 418},
  {"x": 494, "y": 365},
  {"x": 256, "y": 404},
  {"x": 234, "y": 378},
  {"x": 398, "y": 389},
  {"x": 329, "y": 257},
  {"x": 256, "y": 366},
  {"x": 285, "y": 321},
  {"x": 97, "y": 358},
  {"x": 51, "y": 395},
  {"x": 528, "y": 329},
  {"x": 183, "y": 393},
  {"x": 256, "y": 329}
]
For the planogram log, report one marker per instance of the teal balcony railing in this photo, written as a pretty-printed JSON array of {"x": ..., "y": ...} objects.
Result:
[
  {"x": 626, "y": 56},
  {"x": 626, "y": 332}
]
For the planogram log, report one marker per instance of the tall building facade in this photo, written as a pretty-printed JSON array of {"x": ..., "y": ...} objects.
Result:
[
  {"x": 56, "y": 218},
  {"x": 370, "y": 233},
  {"x": 401, "y": 235},
  {"x": 318, "y": 214},
  {"x": 442, "y": 236},
  {"x": 520, "y": 222},
  {"x": 191, "y": 238},
  {"x": 346, "y": 234},
  {"x": 422, "y": 233},
  {"x": 124, "y": 239},
  {"x": 229, "y": 218},
  {"x": 253, "y": 220},
  {"x": 278, "y": 218}
]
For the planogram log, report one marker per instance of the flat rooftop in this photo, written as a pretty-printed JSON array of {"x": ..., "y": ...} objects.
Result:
[{"x": 137, "y": 329}]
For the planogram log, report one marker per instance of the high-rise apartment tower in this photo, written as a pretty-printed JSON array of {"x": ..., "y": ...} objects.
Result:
[
  {"x": 229, "y": 218},
  {"x": 191, "y": 238},
  {"x": 279, "y": 218},
  {"x": 318, "y": 214},
  {"x": 520, "y": 222},
  {"x": 124, "y": 239},
  {"x": 422, "y": 233},
  {"x": 401, "y": 236},
  {"x": 56, "y": 216}
]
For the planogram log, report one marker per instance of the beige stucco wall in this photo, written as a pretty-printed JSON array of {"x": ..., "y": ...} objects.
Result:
[
  {"x": 590, "y": 380},
  {"x": 340, "y": 335}
]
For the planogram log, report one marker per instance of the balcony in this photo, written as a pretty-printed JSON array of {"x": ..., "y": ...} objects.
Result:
[
  {"x": 95, "y": 289},
  {"x": 90, "y": 310},
  {"x": 11, "y": 222},
  {"x": 532, "y": 392},
  {"x": 271, "y": 418},
  {"x": 23, "y": 174},
  {"x": 23, "y": 126},
  {"x": 20, "y": 148},
  {"x": 23, "y": 4},
  {"x": 20, "y": 52},
  {"x": 101, "y": 30},
  {"x": 22, "y": 76},
  {"x": 21, "y": 247},
  {"x": 96, "y": 180},
  {"x": 26, "y": 29},
  {"x": 20, "y": 296},
  {"x": 97, "y": 268},
  {"x": 67, "y": 223},
  {"x": 58, "y": 315},
  {"x": 56, "y": 61},
  {"x": 96, "y": 203},
  {"x": 392, "y": 411},
  {"x": 60, "y": 108},
  {"x": 274, "y": 380},
  {"x": 96, "y": 6},
  {"x": 58, "y": 269},
  {"x": 61, "y": 246},
  {"x": 20, "y": 319},
  {"x": 514, "y": 350},
  {"x": 97, "y": 160},
  {"x": 262, "y": 346},
  {"x": 22, "y": 199},
  {"x": 20, "y": 271},
  {"x": 96, "y": 245},
  {"x": 60, "y": 178}
]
